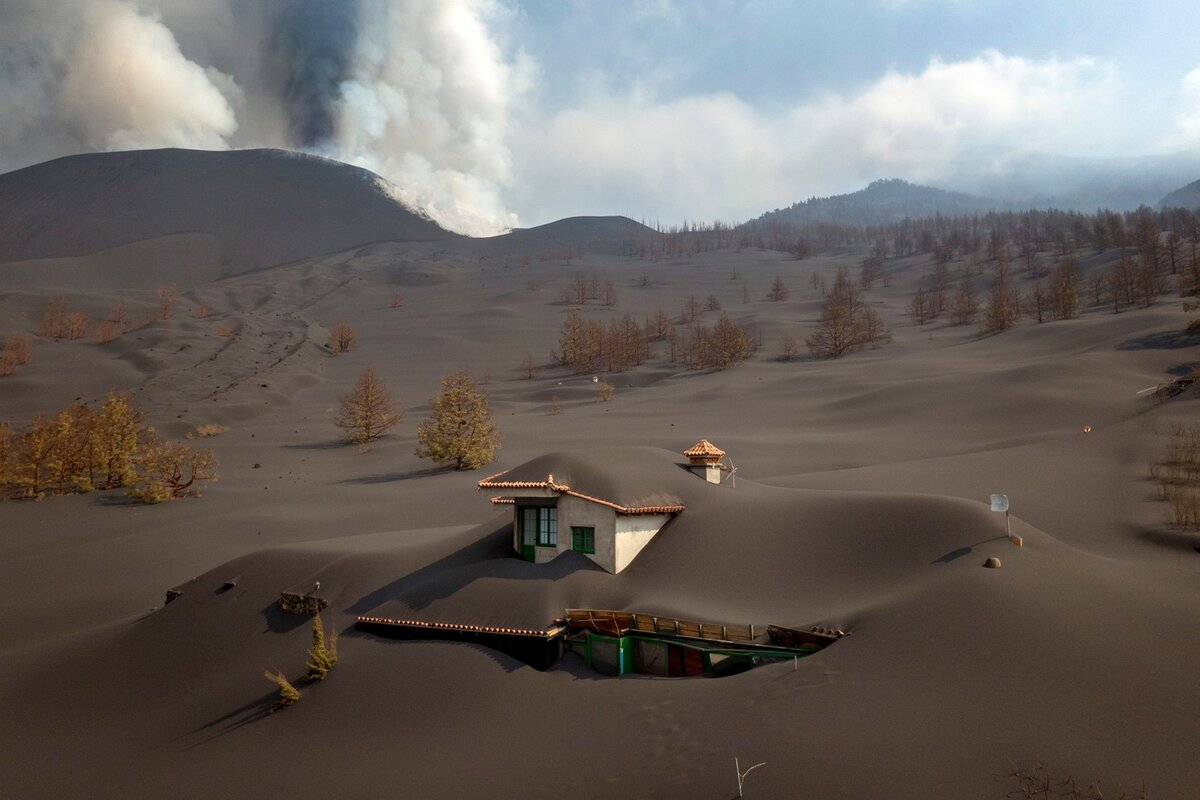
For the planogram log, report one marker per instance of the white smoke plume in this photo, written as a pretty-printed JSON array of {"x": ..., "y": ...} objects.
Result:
[
  {"x": 421, "y": 91},
  {"x": 106, "y": 75},
  {"x": 428, "y": 105}
]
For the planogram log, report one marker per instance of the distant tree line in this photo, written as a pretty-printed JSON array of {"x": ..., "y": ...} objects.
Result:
[
  {"x": 590, "y": 346},
  {"x": 1169, "y": 235}
]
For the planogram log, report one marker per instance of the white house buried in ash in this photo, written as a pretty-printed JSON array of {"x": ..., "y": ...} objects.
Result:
[{"x": 560, "y": 504}]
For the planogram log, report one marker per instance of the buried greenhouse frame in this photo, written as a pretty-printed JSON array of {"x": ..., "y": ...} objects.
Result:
[{"x": 666, "y": 656}]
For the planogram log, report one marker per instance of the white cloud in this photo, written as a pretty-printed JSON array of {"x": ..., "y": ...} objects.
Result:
[
  {"x": 714, "y": 156},
  {"x": 1185, "y": 133}
]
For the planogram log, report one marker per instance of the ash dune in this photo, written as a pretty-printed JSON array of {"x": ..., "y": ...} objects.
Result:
[{"x": 860, "y": 502}]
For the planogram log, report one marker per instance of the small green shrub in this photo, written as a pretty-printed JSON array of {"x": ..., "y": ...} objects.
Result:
[
  {"x": 288, "y": 694},
  {"x": 322, "y": 654}
]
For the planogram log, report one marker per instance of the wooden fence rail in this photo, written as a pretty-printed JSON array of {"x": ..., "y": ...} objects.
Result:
[{"x": 616, "y": 623}]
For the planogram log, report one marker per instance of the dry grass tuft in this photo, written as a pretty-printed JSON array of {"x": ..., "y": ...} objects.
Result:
[
  {"x": 207, "y": 429},
  {"x": 1039, "y": 783}
]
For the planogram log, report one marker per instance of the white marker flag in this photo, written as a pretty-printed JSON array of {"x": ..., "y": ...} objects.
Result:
[{"x": 999, "y": 502}]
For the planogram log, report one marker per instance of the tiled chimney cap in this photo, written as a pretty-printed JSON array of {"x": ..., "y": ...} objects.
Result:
[{"x": 703, "y": 452}]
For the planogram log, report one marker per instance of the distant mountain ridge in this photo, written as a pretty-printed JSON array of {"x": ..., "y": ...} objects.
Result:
[
  {"x": 1183, "y": 197},
  {"x": 1030, "y": 179},
  {"x": 881, "y": 202}
]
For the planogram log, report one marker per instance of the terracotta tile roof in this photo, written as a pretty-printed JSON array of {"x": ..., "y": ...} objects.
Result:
[
  {"x": 704, "y": 448},
  {"x": 553, "y": 630},
  {"x": 491, "y": 482}
]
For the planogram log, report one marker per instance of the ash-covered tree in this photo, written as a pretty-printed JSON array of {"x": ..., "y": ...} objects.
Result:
[
  {"x": 1003, "y": 304},
  {"x": 787, "y": 347},
  {"x": 731, "y": 343},
  {"x": 342, "y": 338},
  {"x": 920, "y": 308},
  {"x": 168, "y": 299},
  {"x": 1037, "y": 302},
  {"x": 35, "y": 450},
  {"x": 1064, "y": 289},
  {"x": 367, "y": 412},
  {"x": 846, "y": 323},
  {"x": 460, "y": 429},
  {"x": 16, "y": 350},
  {"x": 72, "y": 457},
  {"x": 118, "y": 433},
  {"x": 965, "y": 307},
  {"x": 5, "y": 457},
  {"x": 779, "y": 291},
  {"x": 169, "y": 470}
]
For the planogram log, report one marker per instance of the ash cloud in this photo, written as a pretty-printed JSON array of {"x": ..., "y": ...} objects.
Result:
[
  {"x": 420, "y": 91},
  {"x": 316, "y": 41}
]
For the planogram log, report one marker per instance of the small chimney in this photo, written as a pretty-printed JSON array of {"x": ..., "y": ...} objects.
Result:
[{"x": 704, "y": 459}]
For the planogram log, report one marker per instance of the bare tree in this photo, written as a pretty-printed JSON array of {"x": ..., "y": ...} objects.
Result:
[
  {"x": 1037, "y": 302},
  {"x": 16, "y": 350},
  {"x": 778, "y": 291},
  {"x": 1150, "y": 281},
  {"x": 1002, "y": 302},
  {"x": 76, "y": 325},
  {"x": 54, "y": 318},
  {"x": 691, "y": 309},
  {"x": 846, "y": 324},
  {"x": 787, "y": 347},
  {"x": 1064, "y": 289},
  {"x": 367, "y": 412},
  {"x": 529, "y": 367},
  {"x": 919, "y": 308},
  {"x": 342, "y": 339},
  {"x": 168, "y": 299},
  {"x": 120, "y": 316},
  {"x": 659, "y": 326},
  {"x": 965, "y": 307}
]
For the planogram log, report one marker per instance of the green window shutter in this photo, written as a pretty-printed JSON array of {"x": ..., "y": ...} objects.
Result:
[{"x": 583, "y": 539}]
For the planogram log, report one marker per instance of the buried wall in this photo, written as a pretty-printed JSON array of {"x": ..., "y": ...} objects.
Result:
[{"x": 632, "y": 534}]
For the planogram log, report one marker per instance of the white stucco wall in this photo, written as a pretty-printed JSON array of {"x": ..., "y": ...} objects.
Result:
[
  {"x": 586, "y": 514},
  {"x": 618, "y": 538},
  {"x": 634, "y": 533}
]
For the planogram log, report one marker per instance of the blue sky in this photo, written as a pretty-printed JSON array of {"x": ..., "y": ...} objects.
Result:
[
  {"x": 780, "y": 52},
  {"x": 498, "y": 113},
  {"x": 835, "y": 94}
]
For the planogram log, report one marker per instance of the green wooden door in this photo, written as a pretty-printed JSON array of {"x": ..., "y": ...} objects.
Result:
[{"x": 528, "y": 523}]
